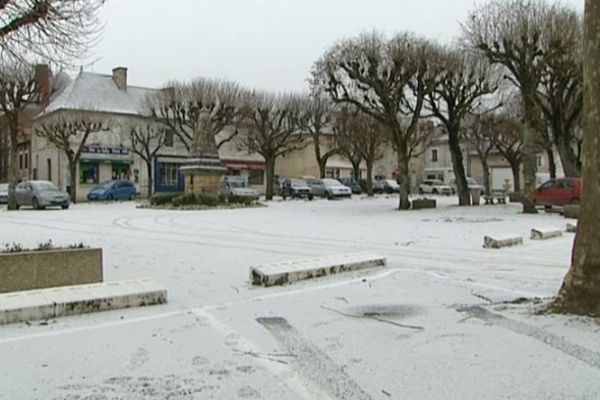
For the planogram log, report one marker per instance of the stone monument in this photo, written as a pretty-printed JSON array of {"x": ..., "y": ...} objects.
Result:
[{"x": 204, "y": 171}]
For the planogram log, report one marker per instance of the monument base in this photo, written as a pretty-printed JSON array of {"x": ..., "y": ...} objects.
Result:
[{"x": 203, "y": 176}]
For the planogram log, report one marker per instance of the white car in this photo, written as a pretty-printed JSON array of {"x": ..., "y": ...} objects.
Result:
[
  {"x": 329, "y": 188},
  {"x": 471, "y": 183},
  {"x": 433, "y": 186}
]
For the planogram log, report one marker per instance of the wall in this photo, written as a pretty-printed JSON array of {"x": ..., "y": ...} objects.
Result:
[{"x": 44, "y": 269}]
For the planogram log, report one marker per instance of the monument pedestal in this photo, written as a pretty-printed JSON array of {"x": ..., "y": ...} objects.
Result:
[{"x": 203, "y": 176}]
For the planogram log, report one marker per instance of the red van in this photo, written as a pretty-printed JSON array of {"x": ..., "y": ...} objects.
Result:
[{"x": 558, "y": 192}]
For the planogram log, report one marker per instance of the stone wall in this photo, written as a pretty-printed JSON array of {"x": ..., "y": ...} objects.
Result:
[{"x": 44, "y": 269}]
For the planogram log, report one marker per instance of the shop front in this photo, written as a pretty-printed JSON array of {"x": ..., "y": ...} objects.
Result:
[{"x": 99, "y": 164}]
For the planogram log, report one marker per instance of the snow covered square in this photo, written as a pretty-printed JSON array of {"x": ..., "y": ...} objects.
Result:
[{"x": 440, "y": 321}]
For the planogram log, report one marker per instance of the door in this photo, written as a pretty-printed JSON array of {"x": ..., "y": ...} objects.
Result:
[
  {"x": 318, "y": 188},
  {"x": 564, "y": 192},
  {"x": 546, "y": 194}
]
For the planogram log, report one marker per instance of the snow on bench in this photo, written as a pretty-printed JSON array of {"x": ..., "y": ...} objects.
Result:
[
  {"x": 80, "y": 299},
  {"x": 572, "y": 228},
  {"x": 500, "y": 241},
  {"x": 545, "y": 233},
  {"x": 291, "y": 271}
]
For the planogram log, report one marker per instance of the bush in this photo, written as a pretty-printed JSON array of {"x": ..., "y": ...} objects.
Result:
[
  {"x": 161, "y": 199},
  {"x": 243, "y": 200},
  {"x": 207, "y": 200},
  {"x": 184, "y": 200}
]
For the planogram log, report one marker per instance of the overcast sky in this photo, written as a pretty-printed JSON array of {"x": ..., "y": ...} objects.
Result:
[{"x": 265, "y": 44}]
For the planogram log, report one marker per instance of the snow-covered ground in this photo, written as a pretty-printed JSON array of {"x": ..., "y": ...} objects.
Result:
[{"x": 422, "y": 328}]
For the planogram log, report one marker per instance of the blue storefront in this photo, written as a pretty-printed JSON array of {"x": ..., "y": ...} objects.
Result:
[{"x": 167, "y": 177}]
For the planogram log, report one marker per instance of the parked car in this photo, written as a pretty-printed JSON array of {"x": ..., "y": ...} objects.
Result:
[
  {"x": 390, "y": 186},
  {"x": 238, "y": 186},
  {"x": 375, "y": 184},
  {"x": 558, "y": 192},
  {"x": 113, "y": 190},
  {"x": 41, "y": 194},
  {"x": 471, "y": 183},
  {"x": 296, "y": 188},
  {"x": 352, "y": 184},
  {"x": 329, "y": 188},
  {"x": 3, "y": 193},
  {"x": 433, "y": 186}
]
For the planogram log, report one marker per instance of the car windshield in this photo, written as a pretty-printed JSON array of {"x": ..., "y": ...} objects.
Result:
[
  {"x": 46, "y": 186},
  {"x": 298, "y": 182},
  {"x": 236, "y": 184},
  {"x": 331, "y": 182}
]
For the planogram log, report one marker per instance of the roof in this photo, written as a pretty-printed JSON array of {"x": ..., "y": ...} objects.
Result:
[{"x": 98, "y": 92}]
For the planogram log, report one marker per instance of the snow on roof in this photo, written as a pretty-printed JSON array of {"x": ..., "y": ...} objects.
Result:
[{"x": 98, "y": 92}]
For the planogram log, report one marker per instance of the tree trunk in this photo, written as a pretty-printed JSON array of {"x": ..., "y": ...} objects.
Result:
[
  {"x": 73, "y": 180},
  {"x": 13, "y": 177},
  {"x": 515, "y": 166},
  {"x": 486, "y": 175},
  {"x": 403, "y": 179},
  {"x": 270, "y": 166},
  {"x": 356, "y": 170},
  {"x": 551, "y": 163},
  {"x": 529, "y": 153},
  {"x": 150, "y": 177},
  {"x": 568, "y": 158},
  {"x": 322, "y": 167},
  {"x": 580, "y": 292},
  {"x": 460, "y": 177},
  {"x": 369, "y": 178}
]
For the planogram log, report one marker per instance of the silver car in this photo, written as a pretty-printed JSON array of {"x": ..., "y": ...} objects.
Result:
[
  {"x": 3, "y": 193},
  {"x": 330, "y": 188},
  {"x": 41, "y": 194}
]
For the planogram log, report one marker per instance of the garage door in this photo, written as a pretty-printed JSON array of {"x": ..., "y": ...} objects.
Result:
[{"x": 499, "y": 177}]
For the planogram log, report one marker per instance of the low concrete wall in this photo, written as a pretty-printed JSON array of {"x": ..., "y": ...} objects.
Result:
[
  {"x": 571, "y": 211},
  {"x": 44, "y": 269}
]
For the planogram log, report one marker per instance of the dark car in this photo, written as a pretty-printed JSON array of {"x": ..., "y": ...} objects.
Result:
[
  {"x": 558, "y": 192},
  {"x": 390, "y": 186},
  {"x": 352, "y": 184},
  {"x": 296, "y": 188},
  {"x": 375, "y": 184},
  {"x": 113, "y": 190}
]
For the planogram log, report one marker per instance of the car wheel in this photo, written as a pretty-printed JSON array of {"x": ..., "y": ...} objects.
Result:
[
  {"x": 35, "y": 203},
  {"x": 435, "y": 191},
  {"x": 575, "y": 201},
  {"x": 329, "y": 196},
  {"x": 109, "y": 197},
  {"x": 310, "y": 197},
  {"x": 284, "y": 197},
  {"x": 420, "y": 191},
  {"x": 64, "y": 206},
  {"x": 131, "y": 197},
  {"x": 547, "y": 208}
]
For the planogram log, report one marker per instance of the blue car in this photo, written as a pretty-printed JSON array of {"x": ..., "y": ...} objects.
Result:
[{"x": 113, "y": 190}]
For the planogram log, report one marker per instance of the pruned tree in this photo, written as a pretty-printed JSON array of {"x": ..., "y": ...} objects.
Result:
[
  {"x": 18, "y": 88},
  {"x": 386, "y": 79},
  {"x": 461, "y": 80},
  {"x": 146, "y": 140},
  {"x": 478, "y": 132},
  {"x": 177, "y": 107},
  {"x": 317, "y": 121},
  {"x": 579, "y": 293},
  {"x": 515, "y": 34},
  {"x": 70, "y": 134},
  {"x": 346, "y": 133},
  {"x": 54, "y": 30},
  {"x": 272, "y": 128},
  {"x": 560, "y": 95}
]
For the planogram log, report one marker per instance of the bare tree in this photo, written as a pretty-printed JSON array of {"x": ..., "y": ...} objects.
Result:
[
  {"x": 461, "y": 80},
  {"x": 317, "y": 121},
  {"x": 272, "y": 128},
  {"x": 579, "y": 292},
  {"x": 147, "y": 139},
  {"x": 478, "y": 133},
  {"x": 515, "y": 34},
  {"x": 56, "y": 30},
  {"x": 18, "y": 88},
  {"x": 386, "y": 79},
  {"x": 70, "y": 134},
  {"x": 178, "y": 105},
  {"x": 346, "y": 132}
]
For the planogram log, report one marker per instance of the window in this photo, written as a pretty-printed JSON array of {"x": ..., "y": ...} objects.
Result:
[
  {"x": 120, "y": 171},
  {"x": 169, "y": 139},
  {"x": 434, "y": 155},
  {"x": 332, "y": 173},
  {"x": 20, "y": 160},
  {"x": 49, "y": 166},
  {"x": 539, "y": 160},
  {"x": 26, "y": 160},
  {"x": 169, "y": 174},
  {"x": 256, "y": 177},
  {"x": 88, "y": 173},
  {"x": 548, "y": 185}
]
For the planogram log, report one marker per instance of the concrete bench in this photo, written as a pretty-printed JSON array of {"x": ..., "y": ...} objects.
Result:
[
  {"x": 79, "y": 299},
  {"x": 500, "y": 241},
  {"x": 572, "y": 228},
  {"x": 291, "y": 271},
  {"x": 545, "y": 233},
  {"x": 499, "y": 197}
]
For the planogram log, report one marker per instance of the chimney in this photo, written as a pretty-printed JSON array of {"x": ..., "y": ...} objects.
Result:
[
  {"x": 42, "y": 80},
  {"x": 120, "y": 77}
]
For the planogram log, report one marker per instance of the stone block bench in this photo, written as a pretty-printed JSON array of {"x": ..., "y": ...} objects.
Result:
[
  {"x": 545, "y": 233},
  {"x": 292, "y": 271},
  {"x": 571, "y": 211},
  {"x": 498, "y": 197},
  {"x": 80, "y": 299},
  {"x": 500, "y": 241}
]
